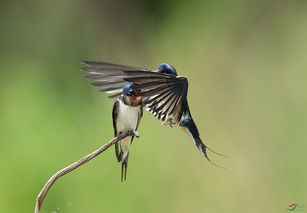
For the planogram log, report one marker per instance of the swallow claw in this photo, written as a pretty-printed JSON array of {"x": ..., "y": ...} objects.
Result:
[
  {"x": 136, "y": 133},
  {"x": 168, "y": 122}
]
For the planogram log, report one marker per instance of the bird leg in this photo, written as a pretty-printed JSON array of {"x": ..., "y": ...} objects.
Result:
[
  {"x": 168, "y": 122},
  {"x": 135, "y": 133}
]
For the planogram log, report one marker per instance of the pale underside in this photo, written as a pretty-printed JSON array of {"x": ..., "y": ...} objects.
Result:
[{"x": 127, "y": 120}]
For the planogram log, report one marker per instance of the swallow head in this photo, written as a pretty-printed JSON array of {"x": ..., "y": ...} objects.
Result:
[
  {"x": 128, "y": 90},
  {"x": 166, "y": 69},
  {"x": 131, "y": 96}
]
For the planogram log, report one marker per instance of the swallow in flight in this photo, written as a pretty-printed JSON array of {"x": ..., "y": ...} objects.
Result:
[
  {"x": 127, "y": 114},
  {"x": 163, "y": 92}
]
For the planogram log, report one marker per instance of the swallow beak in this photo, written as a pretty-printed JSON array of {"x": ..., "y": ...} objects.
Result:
[{"x": 157, "y": 70}]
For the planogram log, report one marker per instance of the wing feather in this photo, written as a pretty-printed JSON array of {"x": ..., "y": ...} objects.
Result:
[{"x": 163, "y": 95}]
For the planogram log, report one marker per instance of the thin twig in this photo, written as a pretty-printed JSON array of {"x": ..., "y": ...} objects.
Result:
[{"x": 41, "y": 196}]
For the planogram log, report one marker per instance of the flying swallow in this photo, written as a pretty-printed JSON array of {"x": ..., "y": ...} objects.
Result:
[
  {"x": 163, "y": 93},
  {"x": 127, "y": 113}
]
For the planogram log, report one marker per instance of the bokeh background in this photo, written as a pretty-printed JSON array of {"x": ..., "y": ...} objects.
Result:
[{"x": 247, "y": 70}]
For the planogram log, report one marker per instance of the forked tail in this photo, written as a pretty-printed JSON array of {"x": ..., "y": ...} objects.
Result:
[
  {"x": 124, "y": 168},
  {"x": 189, "y": 126}
]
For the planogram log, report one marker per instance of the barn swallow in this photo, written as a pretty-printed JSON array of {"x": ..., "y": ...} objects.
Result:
[
  {"x": 127, "y": 114},
  {"x": 163, "y": 92}
]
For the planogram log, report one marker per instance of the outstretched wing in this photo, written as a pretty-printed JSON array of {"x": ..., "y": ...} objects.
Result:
[{"x": 163, "y": 95}]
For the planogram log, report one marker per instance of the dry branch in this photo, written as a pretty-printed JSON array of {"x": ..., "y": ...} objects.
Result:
[{"x": 41, "y": 196}]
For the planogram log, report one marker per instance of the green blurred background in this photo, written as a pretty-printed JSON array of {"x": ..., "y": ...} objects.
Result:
[{"x": 246, "y": 65}]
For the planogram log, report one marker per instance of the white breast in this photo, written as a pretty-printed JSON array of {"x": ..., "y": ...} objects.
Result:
[
  {"x": 127, "y": 117},
  {"x": 126, "y": 120}
]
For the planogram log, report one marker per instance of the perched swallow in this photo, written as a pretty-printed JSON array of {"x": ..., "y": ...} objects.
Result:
[
  {"x": 127, "y": 114},
  {"x": 163, "y": 93}
]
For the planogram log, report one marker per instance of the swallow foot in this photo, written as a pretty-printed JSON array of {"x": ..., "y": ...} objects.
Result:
[
  {"x": 136, "y": 133},
  {"x": 168, "y": 122}
]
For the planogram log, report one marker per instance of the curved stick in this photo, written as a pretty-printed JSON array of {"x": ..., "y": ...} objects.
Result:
[{"x": 41, "y": 196}]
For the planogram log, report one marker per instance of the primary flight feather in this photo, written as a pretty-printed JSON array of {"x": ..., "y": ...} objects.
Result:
[{"x": 163, "y": 92}]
